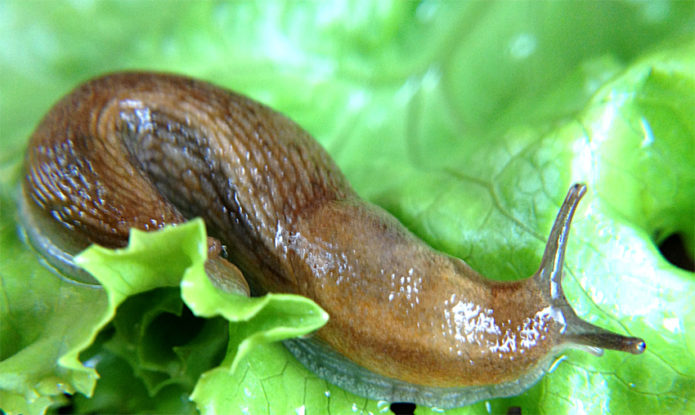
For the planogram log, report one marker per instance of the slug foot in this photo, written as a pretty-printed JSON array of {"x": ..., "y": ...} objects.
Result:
[{"x": 344, "y": 373}]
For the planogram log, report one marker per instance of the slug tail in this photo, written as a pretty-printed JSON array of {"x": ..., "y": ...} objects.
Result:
[{"x": 578, "y": 332}]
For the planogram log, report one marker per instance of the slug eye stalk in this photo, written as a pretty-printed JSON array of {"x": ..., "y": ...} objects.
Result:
[{"x": 578, "y": 332}]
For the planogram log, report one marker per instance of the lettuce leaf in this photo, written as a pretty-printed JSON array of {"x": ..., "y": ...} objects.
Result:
[{"x": 475, "y": 117}]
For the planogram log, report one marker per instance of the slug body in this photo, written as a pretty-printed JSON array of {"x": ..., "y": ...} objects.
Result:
[{"x": 407, "y": 323}]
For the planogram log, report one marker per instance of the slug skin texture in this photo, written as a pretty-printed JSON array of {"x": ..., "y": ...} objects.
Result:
[{"x": 407, "y": 323}]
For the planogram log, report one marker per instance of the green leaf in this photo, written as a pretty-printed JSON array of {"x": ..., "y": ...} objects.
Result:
[
  {"x": 175, "y": 256},
  {"x": 270, "y": 379},
  {"x": 43, "y": 319},
  {"x": 255, "y": 321},
  {"x": 118, "y": 381},
  {"x": 474, "y": 116}
]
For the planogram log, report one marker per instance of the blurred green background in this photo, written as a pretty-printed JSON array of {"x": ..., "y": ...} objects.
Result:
[{"x": 466, "y": 119}]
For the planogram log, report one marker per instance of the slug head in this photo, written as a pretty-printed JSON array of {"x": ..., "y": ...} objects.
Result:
[{"x": 577, "y": 332}]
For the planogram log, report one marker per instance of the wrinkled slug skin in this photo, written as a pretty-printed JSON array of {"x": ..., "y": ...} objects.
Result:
[{"x": 144, "y": 150}]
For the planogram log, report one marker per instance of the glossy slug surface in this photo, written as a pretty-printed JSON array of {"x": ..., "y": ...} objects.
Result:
[{"x": 407, "y": 323}]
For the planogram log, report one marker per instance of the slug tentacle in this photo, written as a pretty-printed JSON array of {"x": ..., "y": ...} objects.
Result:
[
  {"x": 578, "y": 332},
  {"x": 550, "y": 272},
  {"x": 407, "y": 323}
]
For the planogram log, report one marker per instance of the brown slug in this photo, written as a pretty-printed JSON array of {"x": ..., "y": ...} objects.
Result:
[{"x": 407, "y": 323}]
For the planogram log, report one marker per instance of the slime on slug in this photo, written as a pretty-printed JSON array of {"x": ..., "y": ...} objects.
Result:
[{"x": 407, "y": 323}]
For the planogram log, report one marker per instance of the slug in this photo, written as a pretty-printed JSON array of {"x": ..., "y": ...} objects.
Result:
[{"x": 407, "y": 323}]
